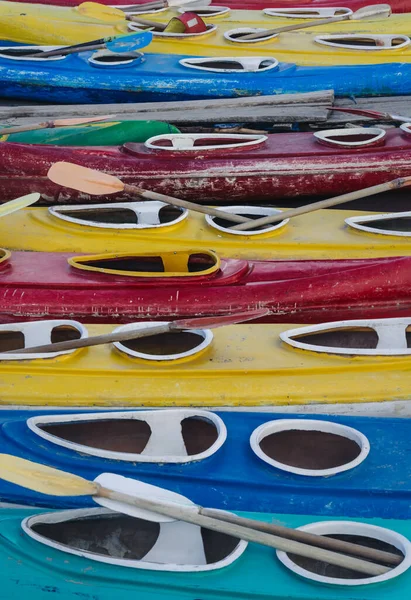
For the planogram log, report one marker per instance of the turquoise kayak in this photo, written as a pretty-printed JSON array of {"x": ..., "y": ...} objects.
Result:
[
  {"x": 111, "y": 133},
  {"x": 96, "y": 554}
]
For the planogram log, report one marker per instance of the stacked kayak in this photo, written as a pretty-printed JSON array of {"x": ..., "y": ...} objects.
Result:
[
  {"x": 181, "y": 284},
  {"x": 207, "y": 456},
  {"x": 353, "y": 362},
  {"x": 94, "y": 134},
  {"x": 89, "y": 77},
  {"x": 220, "y": 167}
]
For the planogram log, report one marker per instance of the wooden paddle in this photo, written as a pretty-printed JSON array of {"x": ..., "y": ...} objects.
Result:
[
  {"x": 152, "y": 499},
  {"x": 395, "y": 184},
  {"x": 117, "y": 44},
  {"x": 52, "y": 124},
  {"x": 372, "y": 114},
  {"x": 132, "y": 334},
  {"x": 96, "y": 183},
  {"x": 374, "y": 10},
  {"x": 18, "y": 203}
]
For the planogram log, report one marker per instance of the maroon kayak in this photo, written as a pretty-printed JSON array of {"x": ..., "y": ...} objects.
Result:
[
  {"x": 37, "y": 285},
  {"x": 397, "y": 6},
  {"x": 220, "y": 168}
]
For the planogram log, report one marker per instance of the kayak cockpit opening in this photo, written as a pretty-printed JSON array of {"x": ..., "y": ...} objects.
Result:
[
  {"x": 257, "y": 64},
  {"x": 382, "y": 337},
  {"x": 364, "y": 41},
  {"x": 207, "y": 12},
  {"x": 160, "y": 436},
  {"x": 182, "y": 263},
  {"x": 159, "y": 32},
  {"x": 189, "y": 142},
  {"x": 309, "y": 447},
  {"x": 249, "y": 212},
  {"x": 355, "y": 532},
  {"x": 237, "y": 35},
  {"x": 355, "y": 137},
  {"x": 25, "y": 335},
  {"x": 395, "y": 224},
  {"x": 118, "y": 539},
  {"x": 25, "y": 53},
  {"x": 170, "y": 346},
  {"x": 307, "y": 13},
  {"x": 105, "y": 58},
  {"x": 121, "y": 215}
]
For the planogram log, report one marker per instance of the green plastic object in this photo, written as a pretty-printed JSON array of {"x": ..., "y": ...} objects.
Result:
[{"x": 114, "y": 133}]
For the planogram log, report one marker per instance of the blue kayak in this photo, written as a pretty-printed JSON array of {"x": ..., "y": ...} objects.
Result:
[
  {"x": 92, "y": 77},
  {"x": 266, "y": 462}
]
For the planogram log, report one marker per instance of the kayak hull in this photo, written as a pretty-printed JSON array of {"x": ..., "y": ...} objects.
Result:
[
  {"x": 45, "y": 286},
  {"x": 378, "y": 487},
  {"x": 77, "y": 82},
  {"x": 256, "y": 575},
  {"x": 285, "y": 165}
]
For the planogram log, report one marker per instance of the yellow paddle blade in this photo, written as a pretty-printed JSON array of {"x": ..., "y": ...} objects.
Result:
[
  {"x": 101, "y": 11},
  {"x": 18, "y": 203},
  {"x": 84, "y": 180},
  {"x": 43, "y": 479}
]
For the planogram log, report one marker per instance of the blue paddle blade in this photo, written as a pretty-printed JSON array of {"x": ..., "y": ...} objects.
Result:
[{"x": 128, "y": 43}]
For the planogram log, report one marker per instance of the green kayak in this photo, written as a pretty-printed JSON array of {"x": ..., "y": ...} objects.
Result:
[{"x": 113, "y": 133}]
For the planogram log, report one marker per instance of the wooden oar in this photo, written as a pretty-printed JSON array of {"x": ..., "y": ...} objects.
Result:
[
  {"x": 132, "y": 334},
  {"x": 52, "y": 124},
  {"x": 372, "y": 114},
  {"x": 51, "y": 481},
  {"x": 96, "y": 183},
  {"x": 374, "y": 10},
  {"x": 18, "y": 203},
  {"x": 395, "y": 184},
  {"x": 117, "y": 44}
]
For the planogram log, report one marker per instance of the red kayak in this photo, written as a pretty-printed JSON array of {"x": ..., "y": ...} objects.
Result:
[
  {"x": 220, "y": 168},
  {"x": 398, "y": 6},
  {"x": 45, "y": 285}
]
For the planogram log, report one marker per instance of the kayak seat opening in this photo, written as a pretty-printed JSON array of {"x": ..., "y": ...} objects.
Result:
[
  {"x": 365, "y": 338},
  {"x": 159, "y": 32},
  {"x": 309, "y": 447},
  {"x": 153, "y": 436},
  {"x": 228, "y": 64},
  {"x": 30, "y": 53},
  {"x": 169, "y": 346},
  {"x": 237, "y": 35},
  {"x": 126, "y": 215},
  {"x": 396, "y": 224},
  {"x": 356, "y": 137},
  {"x": 105, "y": 58},
  {"x": 169, "y": 264},
  {"x": 116, "y": 538},
  {"x": 307, "y": 13},
  {"x": 364, "y": 42},
  {"x": 249, "y": 212},
  {"x": 64, "y": 333},
  {"x": 11, "y": 340},
  {"x": 185, "y": 142},
  {"x": 365, "y": 534}
]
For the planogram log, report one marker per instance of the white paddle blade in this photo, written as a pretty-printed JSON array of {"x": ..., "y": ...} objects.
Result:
[
  {"x": 135, "y": 488},
  {"x": 18, "y": 203},
  {"x": 376, "y": 10}
]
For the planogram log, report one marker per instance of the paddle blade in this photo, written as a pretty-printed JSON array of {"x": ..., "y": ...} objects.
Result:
[
  {"x": 18, "y": 203},
  {"x": 84, "y": 180},
  {"x": 214, "y": 322},
  {"x": 45, "y": 480},
  {"x": 136, "y": 489},
  {"x": 100, "y": 11},
  {"x": 129, "y": 43},
  {"x": 376, "y": 10},
  {"x": 83, "y": 121}
]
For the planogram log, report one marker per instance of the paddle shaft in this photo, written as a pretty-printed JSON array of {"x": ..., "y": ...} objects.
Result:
[
  {"x": 206, "y": 210},
  {"x": 137, "y": 19},
  {"x": 305, "y": 537},
  {"x": 21, "y": 128},
  {"x": 295, "y": 212},
  {"x": 187, "y": 514},
  {"x": 73, "y": 49},
  {"x": 97, "y": 340}
]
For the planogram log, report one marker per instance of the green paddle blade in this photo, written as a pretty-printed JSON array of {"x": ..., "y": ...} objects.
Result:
[
  {"x": 95, "y": 134},
  {"x": 18, "y": 203},
  {"x": 45, "y": 480}
]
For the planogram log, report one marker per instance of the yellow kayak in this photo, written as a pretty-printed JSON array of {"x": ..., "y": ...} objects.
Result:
[
  {"x": 114, "y": 228},
  {"x": 386, "y": 40},
  {"x": 249, "y": 365}
]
